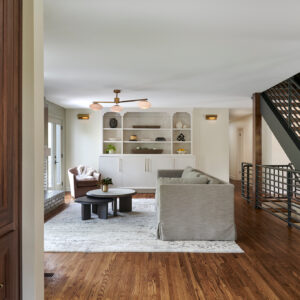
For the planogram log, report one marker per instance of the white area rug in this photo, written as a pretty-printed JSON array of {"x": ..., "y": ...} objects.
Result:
[{"x": 129, "y": 232}]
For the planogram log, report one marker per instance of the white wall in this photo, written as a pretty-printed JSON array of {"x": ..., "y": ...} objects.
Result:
[
  {"x": 272, "y": 152},
  {"x": 211, "y": 142},
  {"x": 245, "y": 124},
  {"x": 32, "y": 152},
  {"x": 82, "y": 140}
]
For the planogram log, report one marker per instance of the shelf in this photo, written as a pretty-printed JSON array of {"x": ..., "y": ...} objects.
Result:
[
  {"x": 179, "y": 129},
  {"x": 147, "y": 129},
  {"x": 112, "y": 142},
  {"x": 112, "y": 128},
  {"x": 147, "y": 142},
  {"x": 181, "y": 142}
]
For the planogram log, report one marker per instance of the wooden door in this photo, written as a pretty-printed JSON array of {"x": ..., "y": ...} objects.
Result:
[{"x": 10, "y": 148}]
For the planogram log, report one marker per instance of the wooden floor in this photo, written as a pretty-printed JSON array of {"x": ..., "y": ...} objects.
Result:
[{"x": 269, "y": 269}]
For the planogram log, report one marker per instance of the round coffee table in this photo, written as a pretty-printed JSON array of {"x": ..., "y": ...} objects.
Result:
[{"x": 99, "y": 201}]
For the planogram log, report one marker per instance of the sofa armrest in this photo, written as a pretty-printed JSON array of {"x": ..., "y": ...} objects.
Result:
[{"x": 169, "y": 173}]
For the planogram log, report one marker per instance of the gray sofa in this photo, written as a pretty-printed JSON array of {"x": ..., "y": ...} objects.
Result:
[{"x": 192, "y": 205}]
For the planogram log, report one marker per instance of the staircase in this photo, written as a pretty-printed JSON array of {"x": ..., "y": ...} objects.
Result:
[{"x": 280, "y": 107}]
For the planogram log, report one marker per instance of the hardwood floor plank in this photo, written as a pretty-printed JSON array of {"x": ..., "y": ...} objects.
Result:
[{"x": 269, "y": 268}]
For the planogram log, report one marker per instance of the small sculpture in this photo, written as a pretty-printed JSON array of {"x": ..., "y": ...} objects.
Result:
[
  {"x": 179, "y": 124},
  {"x": 181, "y": 137}
]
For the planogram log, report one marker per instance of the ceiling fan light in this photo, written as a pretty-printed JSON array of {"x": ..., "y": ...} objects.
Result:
[
  {"x": 144, "y": 104},
  {"x": 116, "y": 108},
  {"x": 96, "y": 106}
]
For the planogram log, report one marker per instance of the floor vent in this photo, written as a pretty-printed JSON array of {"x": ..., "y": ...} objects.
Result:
[{"x": 48, "y": 275}]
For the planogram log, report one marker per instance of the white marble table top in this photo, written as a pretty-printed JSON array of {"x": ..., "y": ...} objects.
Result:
[{"x": 112, "y": 193}]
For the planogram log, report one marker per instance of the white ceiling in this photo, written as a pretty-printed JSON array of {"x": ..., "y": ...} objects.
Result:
[{"x": 204, "y": 53}]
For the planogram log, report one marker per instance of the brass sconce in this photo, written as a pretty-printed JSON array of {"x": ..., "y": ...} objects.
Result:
[
  {"x": 83, "y": 116},
  {"x": 211, "y": 117}
]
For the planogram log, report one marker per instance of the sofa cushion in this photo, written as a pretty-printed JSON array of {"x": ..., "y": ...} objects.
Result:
[
  {"x": 190, "y": 172},
  {"x": 196, "y": 180}
]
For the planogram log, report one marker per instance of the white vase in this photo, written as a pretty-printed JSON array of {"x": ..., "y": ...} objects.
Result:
[
  {"x": 111, "y": 151},
  {"x": 179, "y": 124}
]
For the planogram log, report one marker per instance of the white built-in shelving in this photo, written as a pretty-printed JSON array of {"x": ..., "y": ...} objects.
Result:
[{"x": 146, "y": 137}]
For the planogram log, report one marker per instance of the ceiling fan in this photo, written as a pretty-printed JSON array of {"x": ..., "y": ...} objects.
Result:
[{"x": 142, "y": 103}]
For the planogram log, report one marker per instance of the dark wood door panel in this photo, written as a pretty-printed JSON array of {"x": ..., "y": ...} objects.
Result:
[
  {"x": 10, "y": 148},
  {"x": 9, "y": 107},
  {"x": 8, "y": 267}
]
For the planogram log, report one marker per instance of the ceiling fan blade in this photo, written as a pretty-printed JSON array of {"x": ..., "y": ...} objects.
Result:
[{"x": 134, "y": 100}]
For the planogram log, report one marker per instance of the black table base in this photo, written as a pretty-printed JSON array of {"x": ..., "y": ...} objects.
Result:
[{"x": 100, "y": 206}]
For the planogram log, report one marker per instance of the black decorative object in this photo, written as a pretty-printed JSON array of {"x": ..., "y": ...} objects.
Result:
[
  {"x": 160, "y": 139},
  {"x": 113, "y": 123},
  {"x": 181, "y": 137}
]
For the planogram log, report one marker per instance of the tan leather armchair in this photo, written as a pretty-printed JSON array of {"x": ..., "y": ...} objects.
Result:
[{"x": 81, "y": 184}]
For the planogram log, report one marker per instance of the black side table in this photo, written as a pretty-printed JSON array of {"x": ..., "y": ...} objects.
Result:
[{"x": 99, "y": 207}]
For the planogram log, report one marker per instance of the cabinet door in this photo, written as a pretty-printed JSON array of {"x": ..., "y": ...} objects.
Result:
[
  {"x": 134, "y": 170},
  {"x": 111, "y": 166},
  {"x": 157, "y": 163},
  {"x": 183, "y": 162}
]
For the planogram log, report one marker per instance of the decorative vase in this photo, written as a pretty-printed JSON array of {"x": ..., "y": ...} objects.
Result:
[
  {"x": 111, "y": 151},
  {"x": 179, "y": 124},
  {"x": 104, "y": 188},
  {"x": 113, "y": 123}
]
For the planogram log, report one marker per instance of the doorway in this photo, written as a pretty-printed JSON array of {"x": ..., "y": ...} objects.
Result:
[{"x": 55, "y": 159}]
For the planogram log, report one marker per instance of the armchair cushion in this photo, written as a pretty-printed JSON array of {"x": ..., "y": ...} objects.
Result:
[
  {"x": 89, "y": 182},
  {"x": 84, "y": 178}
]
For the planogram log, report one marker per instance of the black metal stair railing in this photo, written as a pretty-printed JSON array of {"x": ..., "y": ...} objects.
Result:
[
  {"x": 277, "y": 190},
  {"x": 247, "y": 179},
  {"x": 284, "y": 99}
]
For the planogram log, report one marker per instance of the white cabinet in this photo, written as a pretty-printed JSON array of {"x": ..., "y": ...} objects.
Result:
[
  {"x": 111, "y": 166},
  {"x": 140, "y": 171},
  {"x": 156, "y": 163},
  {"x": 134, "y": 171}
]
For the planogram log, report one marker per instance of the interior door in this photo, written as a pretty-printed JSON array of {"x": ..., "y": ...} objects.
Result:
[
  {"x": 10, "y": 148},
  {"x": 55, "y": 166}
]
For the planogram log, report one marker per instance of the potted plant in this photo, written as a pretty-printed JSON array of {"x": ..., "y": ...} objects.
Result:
[
  {"x": 110, "y": 149},
  {"x": 105, "y": 182}
]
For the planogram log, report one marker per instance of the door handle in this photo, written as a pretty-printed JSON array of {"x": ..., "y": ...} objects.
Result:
[
  {"x": 148, "y": 164},
  {"x": 145, "y": 165}
]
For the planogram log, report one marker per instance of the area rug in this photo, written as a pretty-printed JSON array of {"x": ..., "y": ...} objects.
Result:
[{"x": 128, "y": 232}]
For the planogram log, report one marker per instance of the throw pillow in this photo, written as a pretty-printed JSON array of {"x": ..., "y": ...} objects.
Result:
[
  {"x": 189, "y": 172},
  {"x": 80, "y": 169},
  {"x": 212, "y": 180}
]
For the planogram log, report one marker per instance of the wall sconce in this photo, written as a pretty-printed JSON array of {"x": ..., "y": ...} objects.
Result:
[
  {"x": 83, "y": 116},
  {"x": 211, "y": 117}
]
